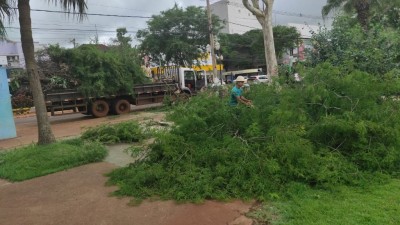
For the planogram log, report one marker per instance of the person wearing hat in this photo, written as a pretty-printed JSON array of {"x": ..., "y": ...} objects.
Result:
[{"x": 237, "y": 93}]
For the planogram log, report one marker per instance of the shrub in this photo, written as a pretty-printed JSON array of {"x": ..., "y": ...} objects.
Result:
[{"x": 21, "y": 100}]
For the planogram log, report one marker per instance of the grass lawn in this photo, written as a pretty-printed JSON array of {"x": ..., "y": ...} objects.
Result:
[
  {"x": 35, "y": 160},
  {"x": 375, "y": 205}
]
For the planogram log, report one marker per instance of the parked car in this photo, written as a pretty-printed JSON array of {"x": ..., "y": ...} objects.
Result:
[{"x": 258, "y": 79}]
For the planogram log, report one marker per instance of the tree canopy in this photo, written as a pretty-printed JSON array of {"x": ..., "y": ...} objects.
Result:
[
  {"x": 376, "y": 51},
  {"x": 365, "y": 9},
  {"x": 177, "y": 35},
  {"x": 247, "y": 50}
]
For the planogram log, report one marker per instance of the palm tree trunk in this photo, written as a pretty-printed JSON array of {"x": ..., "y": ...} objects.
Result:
[
  {"x": 362, "y": 8},
  {"x": 45, "y": 133}
]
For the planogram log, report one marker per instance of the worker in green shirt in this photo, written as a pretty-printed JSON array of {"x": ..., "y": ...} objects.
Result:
[{"x": 237, "y": 93}]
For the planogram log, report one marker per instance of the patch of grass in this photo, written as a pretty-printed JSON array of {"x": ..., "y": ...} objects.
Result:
[
  {"x": 124, "y": 132},
  {"x": 36, "y": 160},
  {"x": 374, "y": 205}
]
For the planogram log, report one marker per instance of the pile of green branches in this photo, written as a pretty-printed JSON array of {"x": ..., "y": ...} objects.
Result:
[
  {"x": 93, "y": 70},
  {"x": 334, "y": 127}
]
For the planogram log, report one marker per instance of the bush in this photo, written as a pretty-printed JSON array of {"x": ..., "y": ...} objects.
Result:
[
  {"x": 335, "y": 128},
  {"x": 21, "y": 100}
]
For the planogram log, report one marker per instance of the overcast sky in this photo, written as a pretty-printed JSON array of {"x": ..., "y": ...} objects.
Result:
[{"x": 58, "y": 28}]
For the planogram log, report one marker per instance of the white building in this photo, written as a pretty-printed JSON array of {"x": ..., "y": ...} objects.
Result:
[
  {"x": 300, "y": 52},
  {"x": 11, "y": 54},
  {"x": 237, "y": 18}
]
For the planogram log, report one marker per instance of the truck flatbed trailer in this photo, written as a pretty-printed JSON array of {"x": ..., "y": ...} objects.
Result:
[{"x": 65, "y": 101}]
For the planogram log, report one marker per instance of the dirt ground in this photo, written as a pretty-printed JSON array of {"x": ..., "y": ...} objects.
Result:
[{"x": 80, "y": 196}]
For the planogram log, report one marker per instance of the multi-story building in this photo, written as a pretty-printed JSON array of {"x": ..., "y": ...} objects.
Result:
[
  {"x": 11, "y": 54},
  {"x": 299, "y": 53},
  {"x": 237, "y": 18}
]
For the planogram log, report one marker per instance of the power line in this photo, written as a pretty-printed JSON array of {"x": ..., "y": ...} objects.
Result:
[
  {"x": 89, "y": 14},
  {"x": 65, "y": 29},
  {"x": 284, "y": 13}
]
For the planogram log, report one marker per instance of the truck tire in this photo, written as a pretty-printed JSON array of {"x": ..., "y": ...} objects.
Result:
[
  {"x": 99, "y": 108},
  {"x": 183, "y": 97},
  {"x": 121, "y": 106}
]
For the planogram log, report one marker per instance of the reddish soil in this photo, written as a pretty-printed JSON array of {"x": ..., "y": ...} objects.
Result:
[{"x": 79, "y": 195}]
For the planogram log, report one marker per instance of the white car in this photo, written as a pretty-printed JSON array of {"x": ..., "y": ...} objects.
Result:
[{"x": 259, "y": 79}]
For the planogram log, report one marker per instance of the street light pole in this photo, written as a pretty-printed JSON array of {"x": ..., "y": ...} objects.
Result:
[
  {"x": 212, "y": 44},
  {"x": 220, "y": 58},
  {"x": 220, "y": 66}
]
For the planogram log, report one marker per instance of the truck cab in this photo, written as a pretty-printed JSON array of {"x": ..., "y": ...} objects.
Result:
[{"x": 189, "y": 80}]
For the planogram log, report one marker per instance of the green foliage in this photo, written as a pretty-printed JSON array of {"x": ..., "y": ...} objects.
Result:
[
  {"x": 121, "y": 39},
  {"x": 285, "y": 38},
  {"x": 176, "y": 35},
  {"x": 335, "y": 128},
  {"x": 125, "y": 132},
  {"x": 247, "y": 50},
  {"x": 96, "y": 72},
  {"x": 376, "y": 51},
  {"x": 7, "y": 12},
  {"x": 39, "y": 160}
]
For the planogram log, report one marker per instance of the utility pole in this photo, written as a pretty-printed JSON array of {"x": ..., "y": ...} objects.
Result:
[
  {"x": 73, "y": 41},
  {"x": 212, "y": 44}
]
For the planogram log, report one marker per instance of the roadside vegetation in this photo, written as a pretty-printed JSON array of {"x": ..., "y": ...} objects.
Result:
[{"x": 39, "y": 160}]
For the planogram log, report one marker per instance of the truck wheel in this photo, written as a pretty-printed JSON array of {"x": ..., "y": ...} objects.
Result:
[
  {"x": 100, "y": 108},
  {"x": 122, "y": 106},
  {"x": 183, "y": 96}
]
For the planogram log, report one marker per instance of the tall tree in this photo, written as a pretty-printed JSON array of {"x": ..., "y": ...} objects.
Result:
[
  {"x": 264, "y": 17},
  {"x": 46, "y": 135},
  {"x": 177, "y": 35},
  {"x": 121, "y": 39},
  {"x": 361, "y": 7}
]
